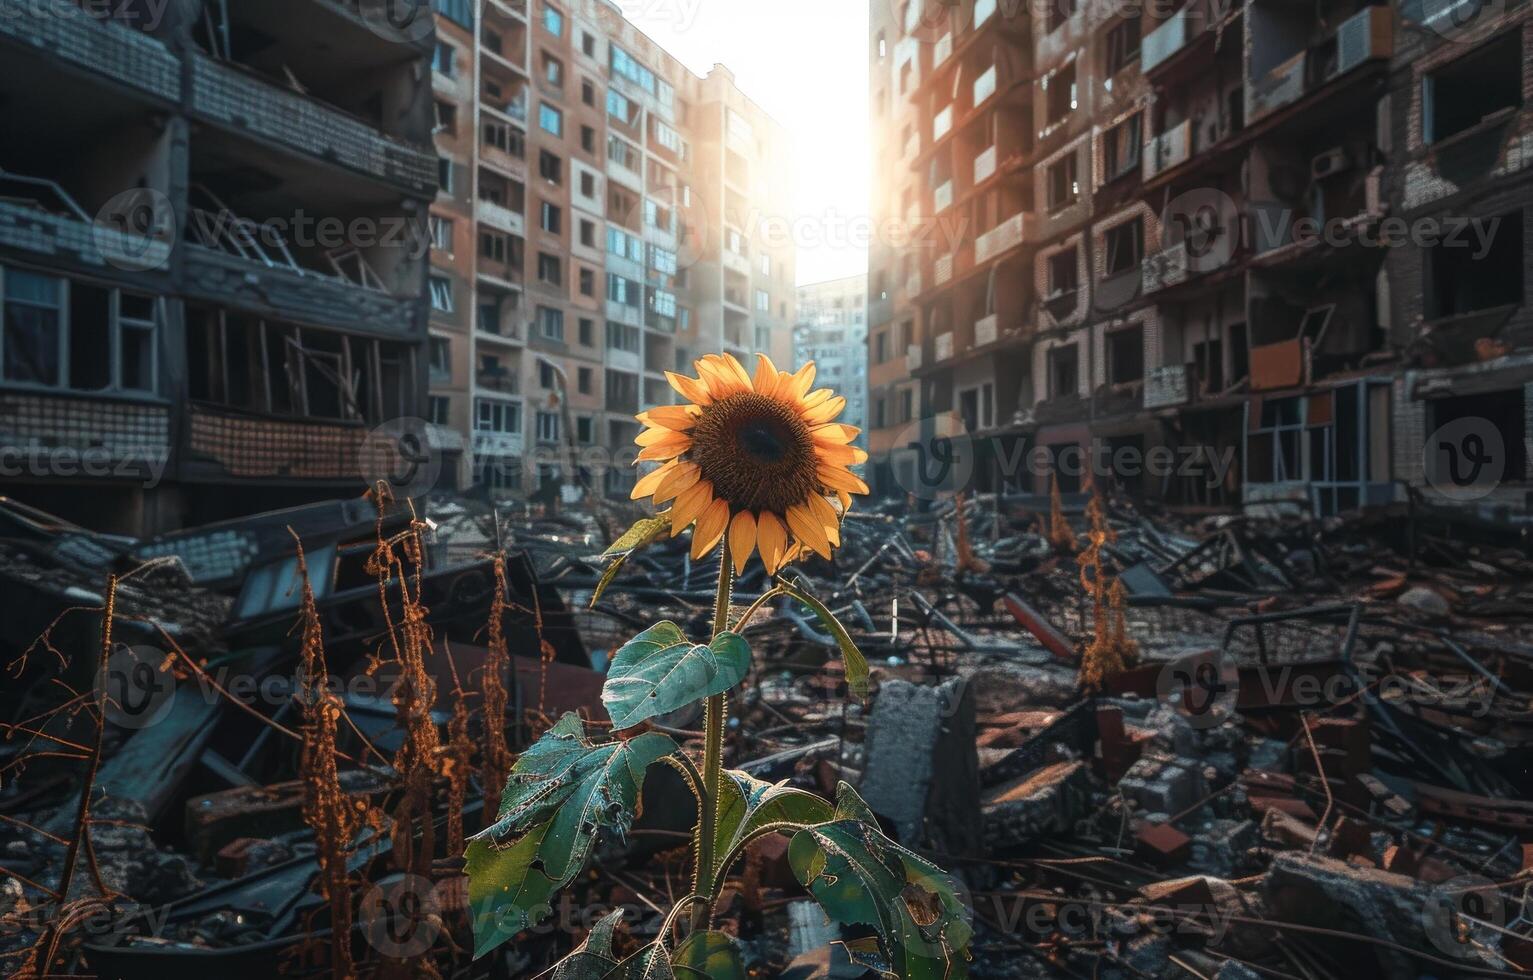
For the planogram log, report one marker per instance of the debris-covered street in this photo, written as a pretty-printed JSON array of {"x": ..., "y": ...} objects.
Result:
[{"x": 1143, "y": 746}]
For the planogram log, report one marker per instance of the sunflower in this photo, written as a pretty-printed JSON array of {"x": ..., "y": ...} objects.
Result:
[{"x": 760, "y": 458}]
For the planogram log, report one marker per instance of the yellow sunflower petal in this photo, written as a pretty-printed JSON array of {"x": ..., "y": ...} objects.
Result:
[
  {"x": 841, "y": 455},
  {"x": 683, "y": 477},
  {"x": 654, "y": 437},
  {"x": 816, "y": 397},
  {"x": 803, "y": 378},
  {"x": 692, "y": 389},
  {"x": 651, "y": 481},
  {"x": 828, "y": 518},
  {"x": 721, "y": 380},
  {"x": 710, "y": 528},
  {"x": 840, "y": 480},
  {"x": 742, "y": 539},
  {"x": 832, "y": 434},
  {"x": 823, "y": 413},
  {"x": 662, "y": 451},
  {"x": 846, "y": 499},
  {"x": 765, "y": 381},
  {"x": 773, "y": 540},
  {"x": 677, "y": 417},
  {"x": 692, "y": 502},
  {"x": 737, "y": 371},
  {"x": 808, "y": 529}
]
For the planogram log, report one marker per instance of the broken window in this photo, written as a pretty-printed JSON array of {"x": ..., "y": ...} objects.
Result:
[
  {"x": 1123, "y": 44},
  {"x": 1064, "y": 371},
  {"x": 1275, "y": 449},
  {"x": 441, "y": 294},
  {"x": 1120, "y": 148},
  {"x": 1480, "y": 268},
  {"x": 1484, "y": 83},
  {"x": 1125, "y": 246},
  {"x": 77, "y": 335},
  {"x": 1061, "y": 94},
  {"x": 441, "y": 359},
  {"x": 1064, "y": 273},
  {"x": 1064, "y": 187},
  {"x": 34, "y": 313},
  {"x": 1125, "y": 355}
]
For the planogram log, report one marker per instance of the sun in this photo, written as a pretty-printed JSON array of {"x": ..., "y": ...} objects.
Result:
[{"x": 757, "y": 457}]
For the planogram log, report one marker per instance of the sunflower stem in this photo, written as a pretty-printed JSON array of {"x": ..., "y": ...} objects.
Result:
[{"x": 713, "y": 757}]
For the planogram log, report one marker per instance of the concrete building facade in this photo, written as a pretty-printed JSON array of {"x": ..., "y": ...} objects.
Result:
[
  {"x": 832, "y": 331},
  {"x": 607, "y": 227},
  {"x": 212, "y": 261},
  {"x": 1194, "y": 230}
]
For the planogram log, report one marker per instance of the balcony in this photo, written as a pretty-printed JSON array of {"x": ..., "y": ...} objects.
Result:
[
  {"x": 942, "y": 197},
  {"x": 253, "y": 447},
  {"x": 89, "y": 43},
  {"x": 1166, "y": 387},
  {"x": 247, "y": 104},
  {"x": 501, "y": 218},
  {"x": 913, "y": 357},
  {"x": 735, "y": 262},
  {"x": 987, "y": 330},
  {"x": 1002, "y": 238},
  {"x": 984, "y": 86},
  {"x": 1168, "y": 150},
  {"x": 942, "y": 350},
  {"x": 134, "y": 435},
  {"x": 942, "y": 122},
  {"x": 1166, "y": 268},
  {"x": 294, "y": 294},
  {"x": 1166, "y": 40},
  {"x": 75, "y": 237},
  {"x": 984, "y": 164}
]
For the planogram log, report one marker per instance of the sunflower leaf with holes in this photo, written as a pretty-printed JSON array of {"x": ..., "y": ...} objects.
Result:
[
  {"x": 562, "y": 793},
  {"x": 860, "y": 877},
  {"x": 660, "y": 670}
]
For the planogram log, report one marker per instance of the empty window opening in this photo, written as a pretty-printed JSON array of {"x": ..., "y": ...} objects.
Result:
[
  {"x": 1467, "y": 91},
  {"x": 1478, "y": 269}
]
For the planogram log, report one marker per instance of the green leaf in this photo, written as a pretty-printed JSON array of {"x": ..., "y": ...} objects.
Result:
[
  {"x": 861, "y": 877},
  {"x": 709, "y": 955},
  {"x": 643, "y": 533},
  {"x": 562, "y": 793},
  {"x": 747, "y": 804},
  {"x": 649, "y": 963},
  {"x": 856, "y": 663},
  {"x": 592, "y": 959},
  {"x": 660, "y": 670}
]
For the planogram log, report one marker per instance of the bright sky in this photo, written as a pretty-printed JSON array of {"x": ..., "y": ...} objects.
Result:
[{"x": 805, "y": 62}]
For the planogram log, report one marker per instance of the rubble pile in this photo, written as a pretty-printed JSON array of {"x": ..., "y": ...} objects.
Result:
[{"x": 1307, "y": 758}]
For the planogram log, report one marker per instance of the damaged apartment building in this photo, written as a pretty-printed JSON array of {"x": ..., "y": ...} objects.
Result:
[
  {"x": 605, "y": 215},
  {"x": 1283, "y": 241},
  {"x": 212, "y": 252}
]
